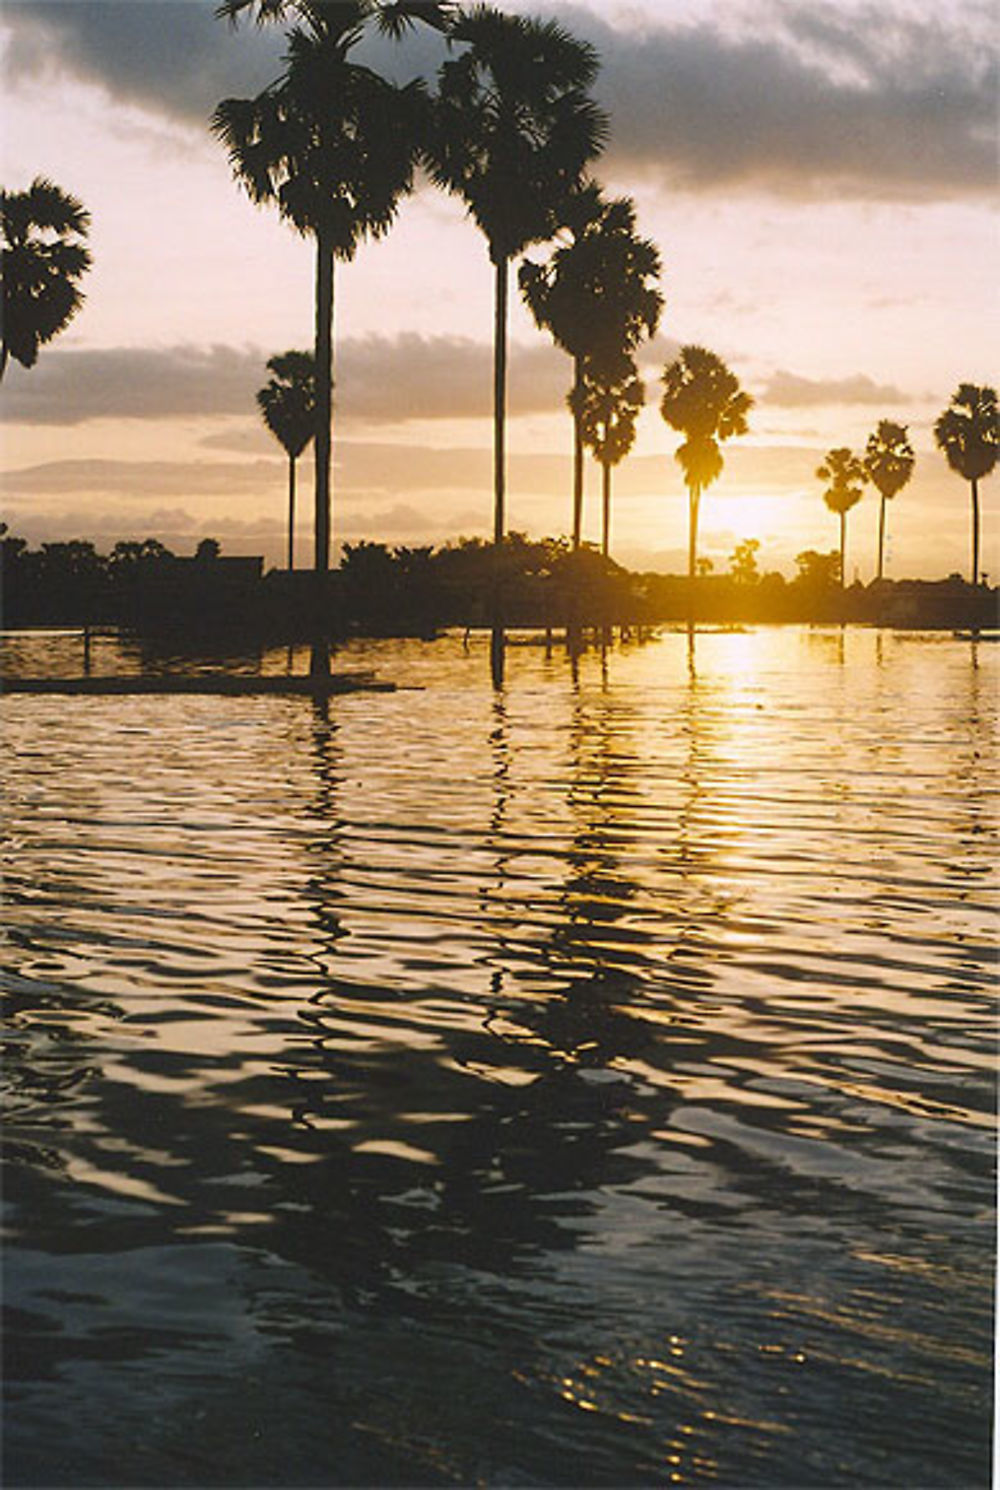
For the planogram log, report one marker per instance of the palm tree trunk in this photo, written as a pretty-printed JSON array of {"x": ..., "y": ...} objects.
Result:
[
  {"x": 975, "y": 532},
  {"x": 499, "y": 464},
  {"x": 319, "y": 664},
  {"x": 3, "y": 361},
  {"x": 291, "y": 513},
  {"x": 606, "y": 508},
  {"x": 324, "y": 401},
  {"x": 881, "y": 536},
  {"x": 843, "y": 550},
  {"x": 694, "y": 497},
  {"x": 577, "y": 458},
  {"x": 499, "y": 401}
]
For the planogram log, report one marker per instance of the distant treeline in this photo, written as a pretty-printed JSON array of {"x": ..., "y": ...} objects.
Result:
[{"x": 382, "y": 590}]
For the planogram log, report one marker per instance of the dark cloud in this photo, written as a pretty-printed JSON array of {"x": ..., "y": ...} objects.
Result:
[
  {"x": 171, "y": 56},
  {"x": 862, "y": 99},
  {"x": 792, "y": 392},
  {"x": 869, "y": 101}
]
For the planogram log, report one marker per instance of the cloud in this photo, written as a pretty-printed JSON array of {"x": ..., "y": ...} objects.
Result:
[
  {"x": 873, "y": 101},
  {"x": 792, "y": 392},
  {"x": 70, "y": 386},
  {"x": 142, "y": 480},
  {"x": 381, "y": 379}
]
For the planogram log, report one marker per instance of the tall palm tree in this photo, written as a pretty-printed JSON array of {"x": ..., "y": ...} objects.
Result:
[
  {"x": 845, "y": 475},
  {"x": 41, "y": 260},
  {"x": 333, "y": 145},
  {"x": 609, "y": 405},
  {"x": 889, "y": 462},
  {"x": 287, "y": 403},
  {"x": 702, "y": 398},
  {"x": 513, "y": 131},
  {"x": 969, "y": 434},
  {"x": 596, "y": 297}
]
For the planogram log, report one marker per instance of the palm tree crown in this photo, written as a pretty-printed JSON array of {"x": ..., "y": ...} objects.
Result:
[
  {"x": 514, "y": 125},
  {"x": 287, "y": 401},
  {"x": 889, "y": 458},
  {"x": 330, "y": 143},
  {"x": 41, "y": 261},
  {"x": 969, "y": 434},
  {"x": 702, "y": 398},
  {"x": 889, "y": 464},
  {"x": 595, "y": 294}
]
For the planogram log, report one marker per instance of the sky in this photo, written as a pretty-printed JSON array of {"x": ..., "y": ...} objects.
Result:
[{"x": 819, "y": 177}]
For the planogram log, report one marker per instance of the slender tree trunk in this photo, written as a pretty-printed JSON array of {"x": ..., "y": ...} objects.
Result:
[
  {"x": 881, "y": 536},
  {"x": 694, "y": 500},
  {"x": 3, "y": 361},
  {"x": 499, "y": 464},
  {"x": 500, "y": 402},
  {"x": 606, "y": 508},
  {"x": 843, "y": 550},
  {"x": 291, "y": 513},
  {"x": 975, "y": 532},
  {"x": 320, "y": 658},
  {"x": 577, "y": 458}
]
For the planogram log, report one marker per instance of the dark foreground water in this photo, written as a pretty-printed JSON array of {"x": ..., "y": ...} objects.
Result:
[{"x": 589, "y": 1084}]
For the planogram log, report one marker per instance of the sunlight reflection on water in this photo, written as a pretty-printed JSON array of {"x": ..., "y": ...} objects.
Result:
[{"x": 591, "y": 1082}]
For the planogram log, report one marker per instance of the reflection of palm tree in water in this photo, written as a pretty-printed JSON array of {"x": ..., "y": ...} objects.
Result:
[{"x": 326, "y": 847}]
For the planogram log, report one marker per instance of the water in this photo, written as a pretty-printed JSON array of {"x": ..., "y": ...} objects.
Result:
[{"x": 590, "y": 1084}]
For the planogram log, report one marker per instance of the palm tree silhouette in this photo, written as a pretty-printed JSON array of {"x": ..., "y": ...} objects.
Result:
[
  {"x": 702, "y": 398},
  {"x": 595, "y": 298},
  {"x": 609, "y": 403},
  {"x": 845, "y": 475},
  {"x": 334, "y": 146},
  {"x": 42, "y": 259},
  {"x": 889, "y": 463},
  {"x": 287, "y": 403},
  {"x": 513, "y": 131},
  {"x": 969, "y": 434}
]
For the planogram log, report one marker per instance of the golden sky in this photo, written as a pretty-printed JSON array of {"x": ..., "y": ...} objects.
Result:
[{"x": 820, "y": 188}]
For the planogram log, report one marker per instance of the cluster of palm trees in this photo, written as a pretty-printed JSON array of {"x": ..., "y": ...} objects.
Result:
[
  {"x": 968, "y": 434},
  {"x": 512, "y": 131}
]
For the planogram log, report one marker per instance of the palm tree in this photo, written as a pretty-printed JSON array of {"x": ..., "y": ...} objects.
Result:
[
  {"x": 333, "y": 145},
  {"x": 889, "y": 463},
  {"x": 845, "y": 476},
  {"x": 702, "y": 398},
  {"x": 595, "y": 297},
  {"x": 969, "y": 434},
  {"x": 287, "y": 404},
  {"x": 513, "y": 131},
  {"x": 609, "y": 406},
  {"x": 41, "y": 261}
]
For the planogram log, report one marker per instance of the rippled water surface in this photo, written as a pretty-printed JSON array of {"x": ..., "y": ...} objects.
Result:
[{"x": 590, "y": 1083}]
